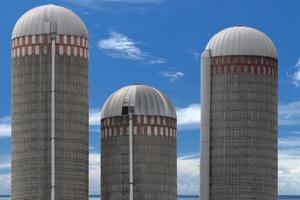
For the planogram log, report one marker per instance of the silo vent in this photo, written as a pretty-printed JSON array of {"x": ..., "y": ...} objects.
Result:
[{"x": 125, "y": 110}]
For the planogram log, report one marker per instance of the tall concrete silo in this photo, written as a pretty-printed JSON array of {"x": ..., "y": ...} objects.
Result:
[
  {"x": 49, "y": 105},
  {"x": 239, "y": 116},
  {"x": 138, "y": 145}
]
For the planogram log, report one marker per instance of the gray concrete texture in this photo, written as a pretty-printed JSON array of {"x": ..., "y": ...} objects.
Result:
[
  {"x": 31, "y": 124},
  {"x": 243, "y": 137},
  {"x": 154, "y": 164}
]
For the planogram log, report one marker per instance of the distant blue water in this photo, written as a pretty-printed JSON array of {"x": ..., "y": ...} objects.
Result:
[{"x": 286, "y": 197}]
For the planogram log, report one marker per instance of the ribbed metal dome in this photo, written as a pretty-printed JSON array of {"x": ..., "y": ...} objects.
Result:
[
  {"x": 146, "y": 101},
  {"x": 241, "y": 40},
  {"x": 37, "y": 21}
]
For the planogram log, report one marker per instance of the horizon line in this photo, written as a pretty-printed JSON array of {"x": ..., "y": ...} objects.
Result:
[{"x": 181, "y": 195}]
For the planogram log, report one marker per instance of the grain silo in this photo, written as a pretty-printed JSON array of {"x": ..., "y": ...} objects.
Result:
[
  {"x": 138, "y": 145},
  {"x": 239, "y": 116},
  {"x": 49, "y": 105}
]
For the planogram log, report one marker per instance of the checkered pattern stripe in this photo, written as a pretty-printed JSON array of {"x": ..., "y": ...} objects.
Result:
[
  {"x": 244, "y": 65},
  {"x": 142, "y": 125},
  {"x": 41, "y": 45}
]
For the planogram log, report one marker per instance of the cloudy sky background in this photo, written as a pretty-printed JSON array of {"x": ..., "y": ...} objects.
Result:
[{"x": 158, "y": 43}]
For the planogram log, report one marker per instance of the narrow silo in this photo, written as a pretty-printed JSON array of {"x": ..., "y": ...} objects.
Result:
[
  {"x": 239, "y": 116},
  {"x": 138, "y": 145},
  {"x": 49, "y": 106}
]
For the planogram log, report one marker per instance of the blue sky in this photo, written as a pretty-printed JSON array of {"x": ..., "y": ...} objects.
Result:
[{"x": 158, "y": 42}]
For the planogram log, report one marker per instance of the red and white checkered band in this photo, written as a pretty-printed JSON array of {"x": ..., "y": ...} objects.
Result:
[
  {"x": 41, "y": 44},
  {"x": 142, "y": 125},
  {"x": 256, "y": 65}
]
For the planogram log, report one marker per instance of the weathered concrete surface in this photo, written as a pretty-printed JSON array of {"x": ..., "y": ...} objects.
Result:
[
  {"x": 154, "y": 160},
  {"x": 243, "y": 129},
  {"x": 31, "y": 120}
]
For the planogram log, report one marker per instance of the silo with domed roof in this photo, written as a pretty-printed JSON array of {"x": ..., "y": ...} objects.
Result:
[
  {"x": 138, "y": 145},
  {"x": 239, "y": 116},
  {"x": 49, "y": 106}
]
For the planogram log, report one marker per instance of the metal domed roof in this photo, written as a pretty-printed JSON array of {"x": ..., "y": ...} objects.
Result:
[
  {"x": 146, "y": 101},
  {"x": 241, "y": 40},
  {"x": 37, "y": 21}
]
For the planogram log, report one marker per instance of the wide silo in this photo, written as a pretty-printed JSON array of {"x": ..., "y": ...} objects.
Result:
[
  {"x": 49, "y": 105},
  {"x": 138, "y": 145},
  {"x": 239, "y": 116}
]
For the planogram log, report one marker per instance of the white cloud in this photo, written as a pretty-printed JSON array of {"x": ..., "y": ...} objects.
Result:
[
  {"x": 188, "y": 174},
  {"x": 172, "y": 75},
  {"x": 94, "y": 117},
  {"x": 290, "y": 109},
  {"x": 289, "y": 114},
  {"x": 94, "y": 173},
  {"x": 289, "y": 165},
  {"x": 195, "y": 54},
  {"x": 5, "y": 127},
  {"x": 6, "y": 165},
  {"x": 288, "y": 169},
  {"x": 296, "y": 75},
  {"x": 189, "y": 117},
  {"x": 290, "y": 143},
  {"x": 119, "y": 45},
  {"x": 5, "y": 183}
]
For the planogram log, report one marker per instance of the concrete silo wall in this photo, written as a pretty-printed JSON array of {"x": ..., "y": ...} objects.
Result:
[
  {"x": 154, "y": 158},
  {"x": 205, "y": 125},
  {"x": 243, "y": 136},
  {"x": 31, "y": 118}
]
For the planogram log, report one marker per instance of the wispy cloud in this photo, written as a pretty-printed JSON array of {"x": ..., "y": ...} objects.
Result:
[
  {"x": 172, "y": 75},
  {"x": 290, "y": 143},
  {"x": 195, "y": 54},
  {"x": 289, "y": 113},
  {"x": 91, "y": 148},
  {"x": 5, "y": 162},
  {"x": 5, "y": 127},
  {"x": 118, "y": 45},
  {"x": 296, "y": 75},
  {"x": 188, "y": 117}
]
